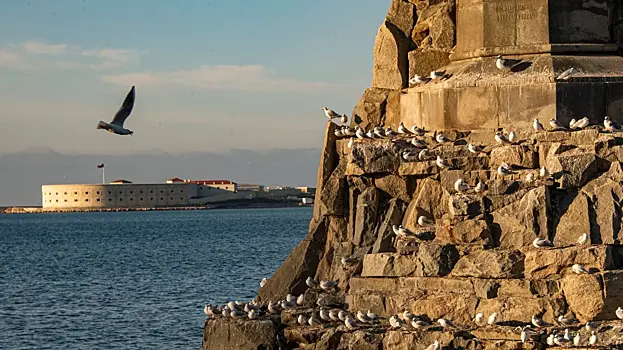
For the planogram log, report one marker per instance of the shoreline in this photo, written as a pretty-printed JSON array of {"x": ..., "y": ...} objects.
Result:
[{"x": 213, "y": 206}]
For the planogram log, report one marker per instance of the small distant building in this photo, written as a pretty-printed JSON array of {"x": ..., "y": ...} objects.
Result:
[
  {"x": 250, "y": 187},
  {"x": 175, "y": 180},
  {"x": 220, "y": 184},
  {"x": 305, "y": 189},
  {"x": 119, "y": 182}
]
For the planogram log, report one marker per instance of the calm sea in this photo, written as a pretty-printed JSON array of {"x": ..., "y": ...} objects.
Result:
[{"x": 133, "y": 280}]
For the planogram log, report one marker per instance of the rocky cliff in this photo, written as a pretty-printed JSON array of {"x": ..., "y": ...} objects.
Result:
[{"x": 472, "y": 254}]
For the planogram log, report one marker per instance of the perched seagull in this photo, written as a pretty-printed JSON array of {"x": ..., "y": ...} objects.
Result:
[
  {"x": 530, "y": 177},
  {"x": 538, "y": 322},
  {"x": 619, "y": 313},
  {"x": 372, "y": 315},
  {"x": 253, "y": 314},
  {"x": 302, "y": 320},
  {"x": 409, "y": 156},
  {"x": 334, "y": 315},
  {"x": 504, "y": 170},
  {"x": 446, "y": 324},
  {"x": 239, "y": 314},
  {"x": 313, "y": 321},
  {"x": 593, "y": 339},
  {"x": 311, "y": 283},
  {"x": 116, "y": 126},
  {"x": 379, "y": 132},
  {"x": 480, "y": 187},
  {"x": 461, "y": 186},
  {"x": 418, "y": 79},
  {"x": 331, "y": 114},
  {"x": 443, "y": 163},
  {"x": 566, "y": 321},
  {"x": 342, "y": 315},
  {"x": 591, "y": 326},
  {"x": 550, "y": 340},
  {"x": 577, "y": 340},
  {"x": 402, "y": 129},
  {"x": 418, "y": 131},
  {"x": 572, "y": 124},
  {"x": 512, "y": 137},
  {"x": 434, "y": 346},
  {"x": 424, "y": 154},
  {"x": 581, "y": 124},
  {"x": 328, "y": 285},
  {"x": 360, "y": 133},
  {"x": 389, "y": 132},
  {"x": 423, "y": 221},
  {"x": 479, "y": 319},
  {"x": 505, "y": 63},
  {"x": 348, "y": 261},
  {"x": 492, "y": 319},
  {"x": 579, "y": 269},
  {"x": 363, "y": 317},
  {"x": 525, "y": 334},
  {"x": 536, "y": 124},
  {"x": 300, "y": 299},
  {"x": 437, "y": 75},
  {"x": 610, "y": 125},
  {"x": 208, "y": 310},
  {"x": 555, "y": 124},
  {"x": 501, "y": 139},
  {"x": 405, "y": 232},
  {"x": 351, "y": 142},
  {"x": 474, "y": 148},
  {"x": 583, "y": 239},
  {"x": 441, "y": 138},
  {"x": 567, "y": 74},
  {"x": 370, "y": 134},
  {"x": 418, "y": 143},
  {"x": 415, "y": 323},
  {"x": 263, "y": 282},
  {"x": 561, "y": 340},
  {"x": 395, "y": 322},
  {"x": 273, "y": 308},
  {"x": 344, "y": 118},
  {"x": 540, "y": 243},
  {"x": 350, "y": 323},
  {"x": 226, "y": 312},
  {"x": 407, "y": 316},
  {"x": 543, "y": 172}
]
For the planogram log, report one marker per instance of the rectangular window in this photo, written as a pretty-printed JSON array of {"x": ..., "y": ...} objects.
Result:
[
  {"x": 86, "y": 192},
  {"x": 86, "y": 200},
  {"x": 98, "y": 199}
]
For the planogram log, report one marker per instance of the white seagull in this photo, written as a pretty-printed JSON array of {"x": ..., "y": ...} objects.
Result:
[
  {"x": 512, "y": 137},
  {"x": 536, "y": 124},
  {"x": 582, "y": 123},
  {"x": 437, "y": 75},
  {"x": 434, "y": 346},
  {"x": 441, "y": 138},
  {"x": 116, "y": 126},
  {"x": 555, "y": 124},
  {"x": 418, "y": 79},
  {"x": 540, "y": 243},
  {"x": 331, "y": 114},
  {"x": 583, "y": 239},
  {"x": 619, "y": 313},
  {"x": 461, "y": 186},
  {"x": 443, "y": 163},
  {"x": 505, "y": 63},
  {"x": 501, "y": 139},
  {"x": 474, "y": 148},
  {"x": 567, "y": 74},
  {"x": 423, "y": 221},
  {"x": 344, "y": 118},
  {"x": 402, "y": 129},
  {"x": 492, "y": 319},
  {"x": 479, "y": 319}
]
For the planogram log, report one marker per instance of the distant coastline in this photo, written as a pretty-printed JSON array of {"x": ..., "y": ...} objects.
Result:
[{"x": 233, "y": 204}]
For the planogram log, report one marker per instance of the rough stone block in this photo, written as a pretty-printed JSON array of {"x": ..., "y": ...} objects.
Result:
[
  {"x": 385, "y": 234},
  {"x": 391, "y": 63},
  {"x": 365, "y": 217},
  {"x": 549, "y": 262},
  {"x": 490, "y": 264},
  {"x": 376, "y": 157},
  {"x": 572, "y": 167},
  {"x": 396, "y": 187},
  {"x": 423, "y": 168},
  {"x": 514, "y": 155},
  {"x": 465, "y": 205},
  {"x": 334, "y": 191},
  {"x": 225, "y": 334}
]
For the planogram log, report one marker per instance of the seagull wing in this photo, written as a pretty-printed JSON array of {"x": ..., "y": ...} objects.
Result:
[{"x": 126, "y": 108}]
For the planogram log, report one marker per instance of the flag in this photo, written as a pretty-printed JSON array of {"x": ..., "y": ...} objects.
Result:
[{"x": 100, "y": 165}]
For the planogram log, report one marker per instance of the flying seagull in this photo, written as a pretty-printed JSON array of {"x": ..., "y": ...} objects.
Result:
[{"x": 116, "y": 126}]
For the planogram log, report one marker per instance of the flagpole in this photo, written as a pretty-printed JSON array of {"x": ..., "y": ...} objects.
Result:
[{"x": 103, "y": 175}]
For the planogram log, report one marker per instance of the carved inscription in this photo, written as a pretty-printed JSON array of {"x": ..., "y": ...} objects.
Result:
[{"x": 510, "y": 12}]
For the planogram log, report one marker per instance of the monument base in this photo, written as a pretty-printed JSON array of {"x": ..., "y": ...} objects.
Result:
[{"x": 477, "y": 95}]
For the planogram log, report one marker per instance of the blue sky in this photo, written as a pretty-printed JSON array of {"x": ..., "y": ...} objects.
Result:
[{"x": 210, "y": 75}]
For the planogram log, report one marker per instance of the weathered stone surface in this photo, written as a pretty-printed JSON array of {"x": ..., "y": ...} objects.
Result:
[
  {"x": 519, "y": 223},
  {"x": 573, "y": 218},
  {"x": 398, "y": 340},
  {"x": 360, "y": 340},
  {"x": 375, "y": 157},
  {"x": 431, "y": 260},
  {"x": 522, "y": 309},
  {"x": 490, "y": 264},
  {"x": 572, "y": 167},
  {"x": 370, "y": 110},
  {"x": 334, "y": 191},
  {"x": 226, "y": 334},
  {"x": 584, "y": 295},
  {"x": 580, "y": 137},
  {"x": 472, "y": 231},
  {"x": 520, "y": 156},
  {"x": 385, "y": 234},
  {"x": 396, "y": 187},
  {"x": 606, "y": 215},
  {"x": 435, "y": 25},
  {"x": 548, "y": 262},
  {"x": 424, "y": 61},
  {"x": 428, "y": 201},
  {"x": 391, "y": 64},
  {"x": 300, "y": 264},
  {"x": 465, "y": 205},
  {"x": 365, "y": 217},
  {"x": 328, "y": 162},
  {"x": 402, "y": 14},
  {"x": 418, "y": 168},
  {"x": 460, "y": 308}
]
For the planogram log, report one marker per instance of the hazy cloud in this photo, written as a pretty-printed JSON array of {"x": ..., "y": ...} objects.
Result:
[
  {"x": 112, "y": 57},
  {"x": 39, "y": 48},
  {"x": 13, "y": 61},
  {"x": 219, "y": 77}
]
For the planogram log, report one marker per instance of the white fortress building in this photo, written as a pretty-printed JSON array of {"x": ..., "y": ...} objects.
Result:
[{"x": 125, "y": 194}]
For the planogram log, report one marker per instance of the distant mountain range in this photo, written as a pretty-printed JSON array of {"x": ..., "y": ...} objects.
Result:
[{"x": 22, "y": 173}]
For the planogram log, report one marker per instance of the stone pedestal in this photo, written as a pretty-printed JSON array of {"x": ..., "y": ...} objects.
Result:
[{"x": 549, "y": 36}]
